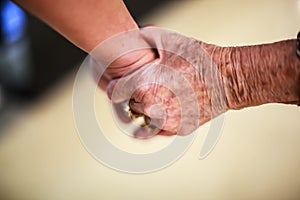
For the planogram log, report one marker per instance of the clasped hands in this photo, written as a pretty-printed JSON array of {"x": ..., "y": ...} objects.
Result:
[{"x": 174, "y": 83}]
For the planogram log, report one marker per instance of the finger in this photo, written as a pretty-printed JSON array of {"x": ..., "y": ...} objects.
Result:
[
  {"x": 155, "y": 123},
  {"x": 166, "y": 133},
  {"x": 152, "y": 128},
  {"x": 156, "y": 111},
  {"x": 122, "y": 113},
  {"x": 122, "y": 89},
  {"x": 136, "y": 106},
  {"x": 144, "y": 133}
]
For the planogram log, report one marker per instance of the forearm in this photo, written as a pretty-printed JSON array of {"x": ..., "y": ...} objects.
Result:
[
  {"x": 255, "y": 75},
  {"x": 86, "y": 23}
]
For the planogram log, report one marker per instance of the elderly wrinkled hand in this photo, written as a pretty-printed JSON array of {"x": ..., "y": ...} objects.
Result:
[{"x": 178, "y": 91}]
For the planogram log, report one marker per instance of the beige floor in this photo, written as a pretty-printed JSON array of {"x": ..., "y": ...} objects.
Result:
[{"x": 257, "y": 157}]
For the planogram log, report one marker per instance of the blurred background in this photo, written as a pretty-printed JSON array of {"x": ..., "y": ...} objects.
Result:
[{"x": 41, "y": 157}]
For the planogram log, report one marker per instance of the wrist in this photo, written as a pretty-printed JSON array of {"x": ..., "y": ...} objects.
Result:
[
  {"x": 223, "y": 57},
  {"x": 255, "y": 75}
]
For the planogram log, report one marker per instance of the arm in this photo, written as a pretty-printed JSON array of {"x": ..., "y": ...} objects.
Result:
[
  {"x": 255, "y": 75},
  {"x": 85, "y": 23},
  {"x": 88, "y": 23},
  {"x": 249, "y": 75}
]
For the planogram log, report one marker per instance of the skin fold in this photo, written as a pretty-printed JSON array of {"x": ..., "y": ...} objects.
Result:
[{"x": 259, "y": 74}]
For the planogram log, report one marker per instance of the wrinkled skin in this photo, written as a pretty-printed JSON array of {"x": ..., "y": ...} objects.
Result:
[
  {"x": 186, "y": 82},
  {"x": 180, "y": 90}
]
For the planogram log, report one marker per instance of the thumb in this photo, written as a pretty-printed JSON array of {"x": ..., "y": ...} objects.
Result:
[
  {"x": 135, "y": 82},
  {"x": 123, "y": 88},
  {"x": 118, "y": 90}
]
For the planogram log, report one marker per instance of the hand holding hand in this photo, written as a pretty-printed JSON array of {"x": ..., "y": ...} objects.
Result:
[{"x": 178, "y": 91}]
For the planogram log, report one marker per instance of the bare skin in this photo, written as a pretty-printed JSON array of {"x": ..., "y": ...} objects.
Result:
[
  {"x": 251, "y": 75},
  {"x": 87, "y": 23},
  {"x": 255, "y": 75}
]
